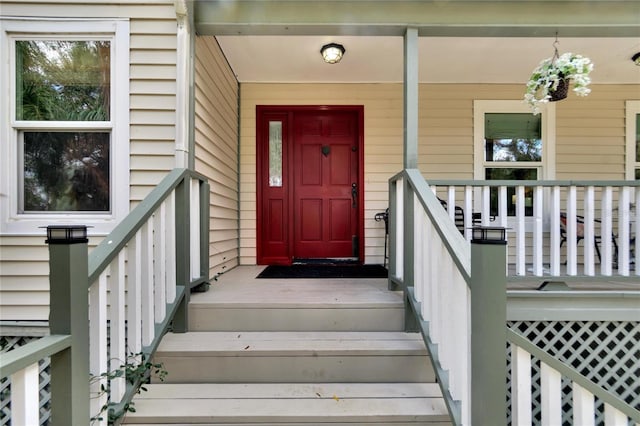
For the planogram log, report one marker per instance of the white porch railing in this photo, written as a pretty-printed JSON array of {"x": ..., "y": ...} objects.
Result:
[
  {"x": 431, "y": 260},
  {"x": 139, "y": 279},
  {"x": 600, "y": 232},
  {"x": 133, "y": 290},
  {"x": 422, "y": 270},
  {"x": 585, "y": 392}
]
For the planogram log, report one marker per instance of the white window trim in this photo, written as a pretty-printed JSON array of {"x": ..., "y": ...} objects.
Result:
[
  {"x": 547, "y": 165},
  {"x": 632, "y": 109},
  {"x": 14, "y": 223},
  {"x": 548, "y": 111}
]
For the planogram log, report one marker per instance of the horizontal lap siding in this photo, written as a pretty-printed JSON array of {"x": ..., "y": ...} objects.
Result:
[
  {"x": 24, "y": 264},
  {"x": 591, "y": 133},
  {"x": 216, "y": 139},
  {"x": 382, "y": 152},
  {"x": 589, "y": 138}
]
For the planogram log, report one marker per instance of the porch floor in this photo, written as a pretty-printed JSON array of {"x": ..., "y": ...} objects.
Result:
[{"x": 241, "y": 284}]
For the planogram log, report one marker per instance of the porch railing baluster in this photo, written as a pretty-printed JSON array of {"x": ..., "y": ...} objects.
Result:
[{"x": 131, "y": 272}]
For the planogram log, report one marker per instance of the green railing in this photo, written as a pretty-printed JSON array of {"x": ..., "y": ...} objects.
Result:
[{"x": 138, "y": 279}]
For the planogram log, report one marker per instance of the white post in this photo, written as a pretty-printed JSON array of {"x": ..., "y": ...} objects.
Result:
[
  {"x": 589, "y": 231},
  {"x": 572, "y": 232},
  {"x": 520, "y": 386},
  {"x": 25, "y": 396},
  {"x": 538, "y": 248},
  {"x": 583, "y": 406},
  {"x": 551, "y": 396}
]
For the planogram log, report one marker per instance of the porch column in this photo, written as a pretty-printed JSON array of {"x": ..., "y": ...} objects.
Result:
[
  {"x": 411, "y": 98},
  {"x": 185, "y": 75},
  {"x": 488, "y": 325}
]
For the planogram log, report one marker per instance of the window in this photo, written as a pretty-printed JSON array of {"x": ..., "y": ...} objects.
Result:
[
  {"x": 633, "y": 140},
  {"x": 510, "y": 144},
  {"x": 67, "y": 130}
]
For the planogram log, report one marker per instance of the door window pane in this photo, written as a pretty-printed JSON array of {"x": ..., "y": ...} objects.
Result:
[
  {"x": 511, "y": 174},
  {"x": 65, "y": 171},
  {"x": 58, "y": 80},
  {"x": 275, "y": 153}
]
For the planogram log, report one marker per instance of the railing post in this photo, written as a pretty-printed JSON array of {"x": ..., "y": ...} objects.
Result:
[
  {"x": 408, "y": 274},
  {"x": 69, "y": 315},
  {"x": 183, "y": 250},
  {"x": 488, "y": 322}
]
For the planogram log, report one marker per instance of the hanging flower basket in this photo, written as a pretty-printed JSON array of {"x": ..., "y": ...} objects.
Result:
[
  {"x": 561, "y": 91},
  {"x": 551, "y": 79}
]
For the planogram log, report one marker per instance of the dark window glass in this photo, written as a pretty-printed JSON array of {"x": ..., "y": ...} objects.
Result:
[
  {"x": 637, "y": 139},
  {"x": 511, "y": 174},
  {"x": 66, "y": 171}
]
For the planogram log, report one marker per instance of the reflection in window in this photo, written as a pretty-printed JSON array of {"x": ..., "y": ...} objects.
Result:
[
  {"x": 65, "y": 171},
  {"x": 513, "y": 137},
  {"x": 511, "y": 174},
  {"x": 275, "y": 153},
  {"x": 60, "y": 80}
]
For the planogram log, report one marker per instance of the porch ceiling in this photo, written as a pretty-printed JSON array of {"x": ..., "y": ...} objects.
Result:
[{"x": 462, "y": 41}]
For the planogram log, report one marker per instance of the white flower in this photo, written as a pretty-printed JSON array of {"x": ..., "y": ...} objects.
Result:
[{"x": 546, "y": 77}]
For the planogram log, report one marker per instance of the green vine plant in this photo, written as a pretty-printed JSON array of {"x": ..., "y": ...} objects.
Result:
[{"x": 137, "y": 371}]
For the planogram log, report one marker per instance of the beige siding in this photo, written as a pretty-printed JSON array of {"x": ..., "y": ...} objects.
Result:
[
  {"x": 23, "y": 260},
  {"x": 216, "y": 122},
  {"x": 589, "y": 140}
]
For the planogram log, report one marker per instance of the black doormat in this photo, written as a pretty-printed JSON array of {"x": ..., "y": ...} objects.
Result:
[{"x": 324, "y": 271}]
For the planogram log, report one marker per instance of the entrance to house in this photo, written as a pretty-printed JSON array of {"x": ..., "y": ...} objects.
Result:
[{"x": 309, "y": 170}]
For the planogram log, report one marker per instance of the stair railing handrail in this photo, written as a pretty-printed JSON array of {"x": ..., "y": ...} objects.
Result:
[
  {"x": 416, "y": 216},
  {"x": 611, "y": 401},
  {"x": 105, "y": 252},
  {"x": 410, "y": 197},
  {"x": 166, "y": 234}
]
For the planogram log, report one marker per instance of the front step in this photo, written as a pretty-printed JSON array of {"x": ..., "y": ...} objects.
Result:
[
  {"x": 291, "y": 404},
  {"x": 256, "y": 357},
  {"x": 295, "y": 305},
  {"x": 293, "y": 352}
]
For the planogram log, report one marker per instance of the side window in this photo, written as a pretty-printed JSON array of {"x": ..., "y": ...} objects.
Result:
[
  {"x": 63, "y": 127},
  {"x": 509, "y": 145},
  {"x": 66, "y": 122},
  {"x": 633, "y": 139}
]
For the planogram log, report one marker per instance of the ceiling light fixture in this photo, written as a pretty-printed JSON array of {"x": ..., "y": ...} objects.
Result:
[
  {"x": 636, "y": 59},
  {"x": 332, "y": 53}
]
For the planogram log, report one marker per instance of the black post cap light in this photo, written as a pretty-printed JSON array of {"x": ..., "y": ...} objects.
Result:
[
  {"x": 489, "y": 235},
  {"x": 66, "y": 234}
]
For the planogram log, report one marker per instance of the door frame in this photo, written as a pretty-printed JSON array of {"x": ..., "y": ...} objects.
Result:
[{"x": 263, "y": 112}]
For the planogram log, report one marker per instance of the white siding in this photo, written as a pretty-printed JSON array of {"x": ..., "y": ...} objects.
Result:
[
  {"x": 590, "y": 138},
  {"x": 24, "y": 260},
  {"x": 216, "y": 137}
]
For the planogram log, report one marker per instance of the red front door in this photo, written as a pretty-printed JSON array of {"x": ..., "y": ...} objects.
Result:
[
  {"x": 315, "y": 211},
  {"x": 325, "y": 185}
]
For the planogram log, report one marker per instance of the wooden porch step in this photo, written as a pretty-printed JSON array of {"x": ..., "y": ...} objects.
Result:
[
  {"x": 291, "y": 404},
  {"x": 267, "y": 357},
  {"x": 297, "y": 305}
]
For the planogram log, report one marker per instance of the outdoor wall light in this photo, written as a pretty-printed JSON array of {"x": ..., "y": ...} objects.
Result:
[
  {"x": 488, "y": 235},
  {"x": 66, "y": 234},
  {"x": 636, "y": 59},
  {"x": 332, "y": 53}
]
